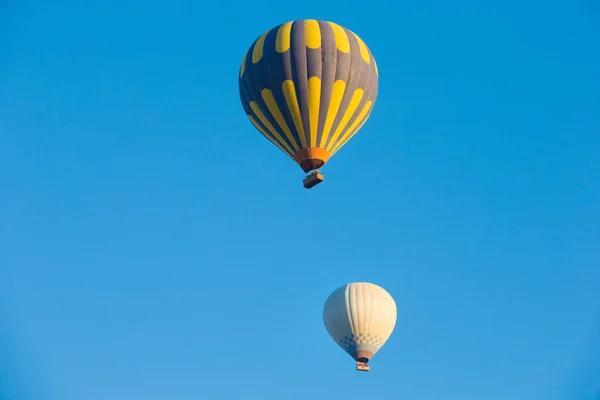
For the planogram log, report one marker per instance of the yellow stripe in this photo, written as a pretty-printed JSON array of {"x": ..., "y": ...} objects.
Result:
[
  {"x": 282, "y": 43},
  {"x": 270, "y": 127},
  {"x": 312, "y": 34},
  {"x": 337, "y": 92},
  {"x": 261, "y": 130},
  {"x": 375, "y": 65},
  {"x": 257, "y": 53},
  {"x": 352, "y": 128},
  {"x": 364, "y": 52},
  {"x": 341, "y": 38},
  {"x": 243, "y": 65},
  {"x": 350, "y": 136},
  {"x": 289, "y": 91},
  {"x": 269, "y": 100},
  {"x": 354, "y": 101},
  {"x": 314, "y": 103}
]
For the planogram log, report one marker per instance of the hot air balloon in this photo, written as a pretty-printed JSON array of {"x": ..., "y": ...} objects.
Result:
[
  {"x": 308, "y": 86},
  {"x": 360, "y": 317}
]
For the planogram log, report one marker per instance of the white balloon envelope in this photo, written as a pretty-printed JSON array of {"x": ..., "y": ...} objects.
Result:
[{"x": 360, "y": 317}]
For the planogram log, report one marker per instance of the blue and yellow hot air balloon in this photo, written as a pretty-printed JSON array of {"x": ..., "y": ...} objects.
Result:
[{"x": 308, "y": 86}]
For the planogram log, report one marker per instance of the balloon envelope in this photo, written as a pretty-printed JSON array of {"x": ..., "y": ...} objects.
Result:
[
  {"x": 308, "y": 86},
  {"x": 360, "y": 317}
]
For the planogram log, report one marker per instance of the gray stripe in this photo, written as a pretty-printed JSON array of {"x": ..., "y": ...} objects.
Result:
[
  {"x": 354, "y": 64},
  {"x": 329, "y": 66},
  {"x": 286, "y": 70},
  {"x": 299, "y": 72},
  {"x": 275, "y": 75},
  {"x": 371, "y": 91},
  {"x": 365, "y": 81}
]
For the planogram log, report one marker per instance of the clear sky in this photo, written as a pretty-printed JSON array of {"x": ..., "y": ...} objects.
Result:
[{"x": 153, "y": 245}]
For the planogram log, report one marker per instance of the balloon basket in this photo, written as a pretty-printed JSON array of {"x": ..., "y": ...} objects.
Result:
[
  {"x": 313, "y": 179},
  {"x": 362, "y": 367}
]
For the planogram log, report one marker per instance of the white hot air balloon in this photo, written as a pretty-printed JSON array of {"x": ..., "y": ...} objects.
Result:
[{"x": 360, "y": 317}]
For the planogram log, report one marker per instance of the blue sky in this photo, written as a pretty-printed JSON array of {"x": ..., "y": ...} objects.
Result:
[{"x": 153, "y": 245}]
